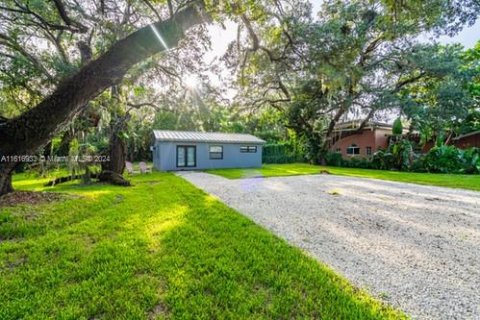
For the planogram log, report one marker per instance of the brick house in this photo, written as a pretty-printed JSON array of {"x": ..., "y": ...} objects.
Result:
[{"x": 351, "y": 142}]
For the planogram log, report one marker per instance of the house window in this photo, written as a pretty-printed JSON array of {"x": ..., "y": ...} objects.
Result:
[
  {"x": 186, "y": 156},
  {"x": 353, "y": 150},
  {"x": 338, "y": 150},
  {"x": 248, "y": 149},
  {"x": 216, "y": 152},
  {"x": 369, "y": 151}
]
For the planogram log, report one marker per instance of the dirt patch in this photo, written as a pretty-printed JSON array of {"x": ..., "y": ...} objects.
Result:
[
  {"x": 10, "y": 265},
  {"x": 29, "y": 197},
  {"x": 157, "y": 311},
  {"x": 118, "y": 199}
]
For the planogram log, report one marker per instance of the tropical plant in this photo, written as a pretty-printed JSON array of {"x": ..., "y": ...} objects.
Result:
[
  {"x": 471, "y": 160},
  {"x": 397, "y": 128},
  {"x": 402, "y": 152},
  {"x": 383, "y": 159}
]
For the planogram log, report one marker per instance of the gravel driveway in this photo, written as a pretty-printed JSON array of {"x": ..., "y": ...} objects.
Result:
[{"x": 415, "y": 247}]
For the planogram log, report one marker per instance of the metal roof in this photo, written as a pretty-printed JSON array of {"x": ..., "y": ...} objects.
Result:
[{"x": 218, "y": 137}]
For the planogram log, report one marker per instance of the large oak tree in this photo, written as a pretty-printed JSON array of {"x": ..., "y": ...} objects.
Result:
[
  {"x": 25, "y": 133},
  {"x": 352, "y": 61}
]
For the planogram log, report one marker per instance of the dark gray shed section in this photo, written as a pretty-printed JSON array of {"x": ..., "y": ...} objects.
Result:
[{"x": 184, "y": 150}]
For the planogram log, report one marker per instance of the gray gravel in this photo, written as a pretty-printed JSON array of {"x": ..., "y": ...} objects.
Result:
[{"x": 415, "y": 247}]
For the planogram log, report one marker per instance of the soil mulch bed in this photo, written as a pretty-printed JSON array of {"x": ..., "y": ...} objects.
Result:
[{"x": 29, "y": 197}]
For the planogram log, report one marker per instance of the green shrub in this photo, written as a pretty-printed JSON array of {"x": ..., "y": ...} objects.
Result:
[
  {"x": 402, "y": 152},
  {"x": 400, "y": 156},
  {"x": 383, "y": 160},
  {"x": 281, "y": 153},
  {"x": 471, "y": 161},
  {"x": 360, "y": 163},
  {"x": 334, "y": 159},
  {"x": 418, "y": 163},
  {"x": 444, "y": 159}
]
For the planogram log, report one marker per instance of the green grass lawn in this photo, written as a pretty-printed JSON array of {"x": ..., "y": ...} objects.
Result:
[
  {"x": 471, "y": 182},
  {"x": 159, "y": 249}
]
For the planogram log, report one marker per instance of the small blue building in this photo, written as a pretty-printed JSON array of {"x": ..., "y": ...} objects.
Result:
[{"x": 183, "y": 150}]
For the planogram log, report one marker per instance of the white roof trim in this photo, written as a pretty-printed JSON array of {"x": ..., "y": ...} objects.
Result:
[{"x": 467, "y": 135}]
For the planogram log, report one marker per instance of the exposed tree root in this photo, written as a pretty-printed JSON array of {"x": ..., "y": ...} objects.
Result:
[
  {"x": 113, "y": 178},
  {"x": 65, "y": 179},
  {"x": 104, "y": 176}
]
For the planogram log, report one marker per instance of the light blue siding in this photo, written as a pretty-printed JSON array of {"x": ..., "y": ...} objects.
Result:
[{"x": 165, "y": 156}]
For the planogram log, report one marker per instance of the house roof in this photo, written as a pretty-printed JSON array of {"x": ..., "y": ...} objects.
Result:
[
  {"x": 467, "y": 135},
  {"x": 218, "y": 137},
  {"x": 354, "y": 124}
]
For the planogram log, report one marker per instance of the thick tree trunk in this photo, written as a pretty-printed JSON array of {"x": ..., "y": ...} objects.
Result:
[
  {"x": 64, "y": 147},
  {"x": 36, "y": 127},
  {"x": 112, "y": 170},
  {"x": 117, "y": 153},
  {"x": 48, "y": 149},
  {"x": 6, "y": 171}
]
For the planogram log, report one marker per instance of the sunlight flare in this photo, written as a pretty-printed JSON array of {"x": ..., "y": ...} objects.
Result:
[
  {"x": 192, "y": 82},
  {"x": 159, "y": 36}
]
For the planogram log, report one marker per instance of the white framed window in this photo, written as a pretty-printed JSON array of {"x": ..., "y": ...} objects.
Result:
[
  {"x": 216, "y": 152},
  {"x": 353, "y": 150},
  {"x": 248, "y": 149}
]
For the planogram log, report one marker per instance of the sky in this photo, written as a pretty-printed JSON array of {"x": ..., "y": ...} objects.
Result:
[{"x": 467, "y": 37}]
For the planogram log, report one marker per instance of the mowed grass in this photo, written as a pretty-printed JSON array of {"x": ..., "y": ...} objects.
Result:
[
  {"x": 159, "y": 249},
  {"x": 471, "y": 182}
]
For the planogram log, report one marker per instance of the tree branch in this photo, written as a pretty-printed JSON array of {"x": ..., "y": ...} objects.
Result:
[
  {"x": 15, "y": 46},
  {"x": 366, "y": 120},
  {"x": 368, "y": 50},
  {"x": 159, "y": 18},
  {"x": 69, "y": 22},
  {"x": 25, "y": 9},
  {"x": 407, "y": 81},
  {"x": 255, "y": 40},
  {"x": 35, "y": 127}
]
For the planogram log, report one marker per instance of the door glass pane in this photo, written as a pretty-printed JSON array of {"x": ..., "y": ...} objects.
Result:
[
  {"x": 191, "y": 156},
  {"x": 180, "y": 157}
]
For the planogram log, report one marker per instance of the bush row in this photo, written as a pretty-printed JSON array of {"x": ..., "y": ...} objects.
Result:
[
  {"x": 281, "y": 153},
  {"x": 440, "y": 159}
]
